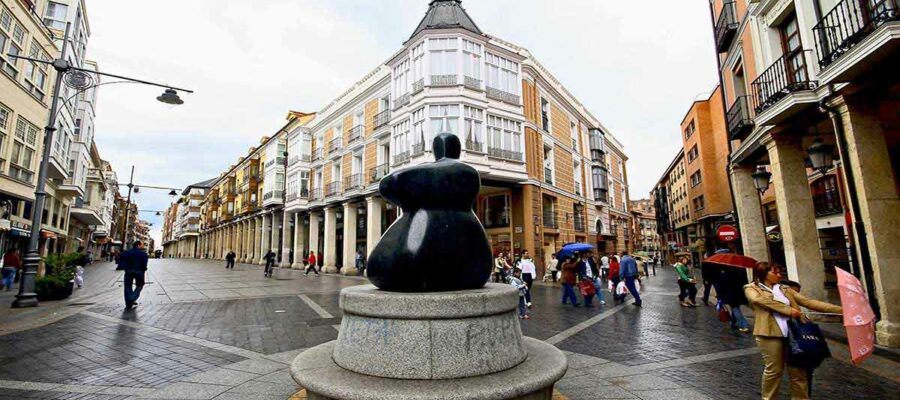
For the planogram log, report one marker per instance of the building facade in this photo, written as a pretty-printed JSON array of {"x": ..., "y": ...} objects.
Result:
[
  {"x": 551, "y": 173},
  {"x": 646, "y": 237},
  {"x": 811, "y": 100}
]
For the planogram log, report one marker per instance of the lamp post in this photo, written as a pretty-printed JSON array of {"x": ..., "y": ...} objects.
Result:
[{"x": 74, "y": 77}]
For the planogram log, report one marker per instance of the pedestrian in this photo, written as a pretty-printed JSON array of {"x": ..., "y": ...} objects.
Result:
[
  {"x": 12, "y": 263},
  {"x": 614, "y": 278},
  {"x": 604, "y": 267},
  {"x": 773, "y": 305},
  {"x": 134, "y": 262},
  {"x": 644, "y": 264},
  {"x": 270, "y": 263},
  {"x": 516, "y": 281},
  {"x": 529, "y": 271},
  {"x": 229, "y": 259},
  {"x": 710, "y": 275},
  {"x": 311, "y": 264},
  {"x": 731, "y": 283},
  {"x": 654, "y": 261},
  {"x": 592, "y": 274},
  {"x": 501, "y": 268},
  {"x": 320, "y": 260},
  {"x": 628, "y": 272},
  {"x": 569, "y": 271},
  {"x": 553, "y": 267},
  {"x": 687, "y": 289},
  {"x": 360, "y": 261}
]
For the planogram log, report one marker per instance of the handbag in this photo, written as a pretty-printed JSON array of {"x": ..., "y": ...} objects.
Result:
[
  {"x": 807, "y": 347},
  {"x": 587, "y": 288}
]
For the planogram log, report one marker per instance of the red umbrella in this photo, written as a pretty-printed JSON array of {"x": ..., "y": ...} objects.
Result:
[
  {"x": 731, "y": 260},
  {"x": 859, "y": 319}
]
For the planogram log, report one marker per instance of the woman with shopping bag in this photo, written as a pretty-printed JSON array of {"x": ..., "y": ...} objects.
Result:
[{"x": 774, "y": 307}]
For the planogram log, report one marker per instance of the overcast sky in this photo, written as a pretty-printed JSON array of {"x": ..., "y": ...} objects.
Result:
[{"x": 636, "y": 65}]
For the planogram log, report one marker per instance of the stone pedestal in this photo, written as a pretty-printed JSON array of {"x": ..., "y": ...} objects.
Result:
[{"x": 439, "y": 345}]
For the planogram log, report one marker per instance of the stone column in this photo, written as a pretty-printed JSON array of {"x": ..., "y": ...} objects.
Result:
[
  {"x": 349, "y": 262},
  {"x": 374, "y": 206},
  {"x": 257, "y": 238},
  {"x": 796, "y": 214},
  {"x": 266, "y": 236},
  {"x": 248, "y": 239},
  {"x": 314, "y": 233},
  {"x": 286, "y": 239},
  {"x": 300, "y": 252},
  {"x": 330, "y": 240},
  {"x": 747, "y": 204},
  {"x": 275, "y": 235},
  {"x": 874, "y": 183}
]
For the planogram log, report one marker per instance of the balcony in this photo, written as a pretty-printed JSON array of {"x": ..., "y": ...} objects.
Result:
[
  {"x": 85, "y": 213},
  {"x": 418, "y": 86},
  {"x": 827, "y": 202},
  {"x": 550, "y": 219},
  {"x": 418, "y": 149},
  {"x": 726, "y": 27},
  {"x": 318, "y": 154},
  {"x": 375, "y": 174},
  {"x": 443, "y": 80},
  {"x": 401, "y": 158},
  {"x": 472, "y": 83},
  {"x": 58, "y": 165},
  {"x": 355, "y": 133},
  {"x": 69, "y": 187},
  {"x": 501, "y": 95},
  {"x": 333, "y": 189},
  {"x": 786, "y": 76},
  {"x": 474, "y": 145},
  {"x": 334, "y": 145},
  {"x": 579, "y": 223},
  {"x": 848, "y": 25},
  {"x": 601, "y": 195},
  {"x": 505, "y": 154},
  {"x": 353, "y": 182},
  {"x": 382, "y": 118},
  {"x": 401, "y": 101},
  {"x": 291, "y": 197},
  {"x": 314, "y": 194},
  {"x": 548, "y": 175},
  {"x": 740, "y": 122}
]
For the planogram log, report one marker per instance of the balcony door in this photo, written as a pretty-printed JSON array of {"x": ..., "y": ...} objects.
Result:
[{"x": 795, "y": 63}]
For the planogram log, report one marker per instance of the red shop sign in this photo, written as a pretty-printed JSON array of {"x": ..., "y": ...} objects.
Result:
[{"x": 727, "y": 233}]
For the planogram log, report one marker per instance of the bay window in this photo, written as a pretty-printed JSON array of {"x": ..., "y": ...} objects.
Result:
[
  {"x": 55, "y": 16},
  {"x": 418, "y": 62},
  {"x": 401, "y": 78},
  {"x": 505, "y": 138},
  {"x": 400, "y": 138},
  {"x": 471, "y": 59},
  {"x": 502, "y": 74},
  {"x": 473, "y": 121},
  {"x": 418, "y": 131},
  {"x": 443, "y": 55},
  {"x": 444, "y": 114}
]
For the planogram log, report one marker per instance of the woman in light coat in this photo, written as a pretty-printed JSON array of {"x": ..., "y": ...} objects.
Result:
[{"x": 773, "y": 305}]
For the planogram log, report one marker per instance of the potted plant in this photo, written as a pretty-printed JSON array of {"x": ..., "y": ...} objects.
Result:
[{"x": 58, "y": 282}]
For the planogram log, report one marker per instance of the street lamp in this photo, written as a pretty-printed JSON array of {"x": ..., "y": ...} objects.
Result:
[
  {"x": 761, "y": 179},
  {"x": 821, "y": 155},
  {"x": 170, "y": 96},
  {"x": 27, "y": 296}
]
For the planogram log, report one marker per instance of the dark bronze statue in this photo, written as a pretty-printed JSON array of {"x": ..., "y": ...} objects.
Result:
[{"x": 438, "y": 244}]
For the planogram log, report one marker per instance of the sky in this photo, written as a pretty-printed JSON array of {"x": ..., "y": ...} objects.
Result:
[{"x": 636, "y": 65}]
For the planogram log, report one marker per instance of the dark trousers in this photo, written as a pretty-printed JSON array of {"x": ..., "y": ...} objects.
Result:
[
  {"x": 229, "y": 264},
  {"x": 569, "y": 293},
  {"x": 529, "y": 280},
  {"x": 132, "y": 293},
  {"x": 629, "y": 283},
  {"x": 706, "y": 286},
  {"x": 615, "y": 285},
  {"x": 269, "y": 265},
  {"x": 311, "y": 268},
  {"x": 686, "y": 290}
]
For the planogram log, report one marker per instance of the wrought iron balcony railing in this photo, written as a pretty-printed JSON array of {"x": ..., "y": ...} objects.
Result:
[
  {"x": 827, "y": 203},
  {"x": 355, "y": 133},
  {"x": 318, "y": 154},
  {"x": 472, "y": 83},
  {"x": 786, "y": 75},
  {"x": 579, "y": 223},
  {"x": 417, "y": 149},
  {"x": 502, "y": 95},
  {"x": 334, "y": 144},
  {"x": 418, "y": 86},
  {"x": 443, "y": 80},
  {"x": 353, "y": 182},
  {"x": 400, "y": 158},
  {"x": 550, "y": 219},
  {"x": 726, "y": 26},
  {"x": 474, "y": 145},
  {"x": 375, "y": 174},
  {"x": 739, "y": 119},
  {"x": 382, "y": 118},
  {"x": 848, "y": 23},
  {"x": 333, "y": 189},
  {"x": 401, "y": 100},
  {"x": 314, "y": 194},
  {"x": 505, "y": 154}
]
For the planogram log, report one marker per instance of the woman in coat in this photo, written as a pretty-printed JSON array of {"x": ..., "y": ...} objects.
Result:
[
  {"x": 773, "y": 305},
  {"x": 569, "y": 270}
]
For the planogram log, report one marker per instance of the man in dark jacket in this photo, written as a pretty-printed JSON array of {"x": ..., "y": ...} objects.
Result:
[
  {"x": 134, "y": 262},
  {"x": 628, "y": 272},
  {"x": 270, "y": 263},
  {"x": 229, "y": 260}
]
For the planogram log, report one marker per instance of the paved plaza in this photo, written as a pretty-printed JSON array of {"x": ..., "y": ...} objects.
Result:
[{"x": 202, "y": 332}]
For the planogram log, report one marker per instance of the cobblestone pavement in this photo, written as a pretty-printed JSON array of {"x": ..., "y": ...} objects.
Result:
[{"x": 202, "y": 332}]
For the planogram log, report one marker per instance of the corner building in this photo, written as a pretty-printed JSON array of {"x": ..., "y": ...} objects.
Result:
[{"x": 551, "y": 173}]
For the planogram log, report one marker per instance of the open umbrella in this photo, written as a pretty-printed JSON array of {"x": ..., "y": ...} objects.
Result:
[
  {"x": 642, "y": 254},
  {"x": 683, "y": 254},
  {"x": 573, "y": 248},
  {"x": 859, "y": 319},
  {"x": 731, "y": 260}
]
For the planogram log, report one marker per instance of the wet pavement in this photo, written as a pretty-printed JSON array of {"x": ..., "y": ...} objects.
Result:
[{"x": 202, "y": 332}]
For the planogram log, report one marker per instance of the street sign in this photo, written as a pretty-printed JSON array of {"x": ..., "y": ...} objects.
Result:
[{"x": 727, "y": 233}]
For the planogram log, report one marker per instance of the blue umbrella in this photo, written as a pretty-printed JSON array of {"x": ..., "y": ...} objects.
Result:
[{"x": 572, "y": 248}]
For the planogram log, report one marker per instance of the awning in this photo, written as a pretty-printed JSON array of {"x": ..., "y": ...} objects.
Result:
[
  {"x": 771, "y": 228},
  {"x": 19, "y": 232}
]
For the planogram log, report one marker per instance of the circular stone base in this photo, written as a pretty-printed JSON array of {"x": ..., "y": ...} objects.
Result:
[{"x": 533, "y": 379}]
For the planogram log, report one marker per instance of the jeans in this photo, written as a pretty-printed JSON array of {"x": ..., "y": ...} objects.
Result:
[
  {"x": 521, "y": 306},
  {"x": 737, "y": 318},
  {"x": 529, "y": 280},
  {"x": 598, "y": 286},
  {"x": 9, "y": 275},
  {"x": 133, "y": 293},
  {"x": 629, "y": 283},
  {"x": 569, "y": 293}
]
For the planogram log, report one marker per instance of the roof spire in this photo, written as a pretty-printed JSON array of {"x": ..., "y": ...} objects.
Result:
[{"x": 446, "y": 14}]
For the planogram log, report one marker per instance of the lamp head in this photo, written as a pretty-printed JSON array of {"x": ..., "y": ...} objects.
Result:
[
  {"x": 761, "y": 179},
  {"x": 821, "y": 155},
  {"x": 170, "y": 96}
]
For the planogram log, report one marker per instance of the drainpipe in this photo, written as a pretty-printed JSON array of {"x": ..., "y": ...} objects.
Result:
[
  {"x": 861, "y": 238},
  {"x": 712, "y": 15}
]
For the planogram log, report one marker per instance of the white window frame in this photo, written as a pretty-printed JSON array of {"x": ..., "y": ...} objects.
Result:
[
  {"x": 472, "y": 59},
  {"x": 502, "y": 73},
  {"x": 443, "y": 56},
  {"x": 438, "y": 114},
  {"x": 473, "y": 124}
]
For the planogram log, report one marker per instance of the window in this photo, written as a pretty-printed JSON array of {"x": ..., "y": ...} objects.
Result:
[
  {"x": 691, "y": 128},
  {"x": 304, "y": 182},
  {"x": 444, "y": 117},
  {"x": 418, "y": 130},
  {"x": 474, "y": 118},
  {"x": 793, "y": 50},
  {"x": 600, "y": 182},
  {"x": 471, "y": 59},
  {"x": 401, "y": 78},
  {"x": 573, "y": 131},
  {"x": 55, "y": 17},
  {"x": 418, "y": 62},
  {"x": 496, "y": 211},
  {"x": 699, "y": 203},
  {"x": 576, "y": 166},
  {"x": 545, "y": 114},
  {"x": 695, "y": 179},
  {"x": 401, "y": 137},
  {"x": 548, "y": 163},
  {"x": 22, "y": 153},
  {"x": 693, "y": 154},
  {"x": 358, "y": 118},
  {"x": 505, "y": 137},
  {"x": 502, "y": 74},
  {"x": 443, "y": 55}
]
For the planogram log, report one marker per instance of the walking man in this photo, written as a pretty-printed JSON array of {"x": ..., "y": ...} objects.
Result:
[
  {"x": 229, "y": 260},
  {"x": 134, "y": 262},
  {"x": 628, "y": 271},
  {"x": 270, "y": 263}
]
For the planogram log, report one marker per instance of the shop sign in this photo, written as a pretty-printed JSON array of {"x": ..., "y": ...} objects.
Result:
[
  {"x": 727, "y": 233},
  {"x": 5, "y": 224},
  {"x": 774, "y": 236}
]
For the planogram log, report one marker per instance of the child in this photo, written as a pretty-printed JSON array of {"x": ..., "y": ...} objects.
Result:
[
  {"x": 79, "y": 276},
  {"x": 516, "y": 281}
]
